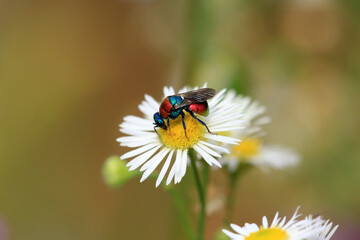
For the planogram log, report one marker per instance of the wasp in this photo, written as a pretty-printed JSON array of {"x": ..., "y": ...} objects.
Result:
[{"x": 192, "y": 102}]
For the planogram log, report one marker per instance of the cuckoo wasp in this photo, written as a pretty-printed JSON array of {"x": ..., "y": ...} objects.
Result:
[{"x": 192, "y": 102}]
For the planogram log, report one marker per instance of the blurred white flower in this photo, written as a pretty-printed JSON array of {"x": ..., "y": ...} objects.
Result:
[{"x": 251, "y": 150}]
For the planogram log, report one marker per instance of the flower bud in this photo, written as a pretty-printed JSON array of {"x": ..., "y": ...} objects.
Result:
[
  {"x": 115, "y": 172},
  {"x": 221, "y": 236}
]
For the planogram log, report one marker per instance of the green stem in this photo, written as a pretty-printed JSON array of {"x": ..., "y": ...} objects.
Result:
[
  {"x": 180, "y": 207},
  {"x": 201, "y": 193},
  {"x": 233, "y": 182},
  {"x": 205, "y": 178},
  {"x": 182, "y": 210},
  {"x": 198, "y": 27}
]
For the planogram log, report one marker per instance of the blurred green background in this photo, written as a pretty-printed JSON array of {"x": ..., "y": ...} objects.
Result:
[{"x": 71, "y": 70}]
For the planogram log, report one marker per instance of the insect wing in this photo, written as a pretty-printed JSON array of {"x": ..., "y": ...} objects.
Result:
[
  {"x": 200, "y": 95},
  {"x": 195, "y": 96}
]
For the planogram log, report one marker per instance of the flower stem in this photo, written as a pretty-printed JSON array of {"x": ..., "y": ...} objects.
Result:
[
  {"x": 179, "y": 205},
  {"x": 198, "y": 27},
  {"x": 201, "y": 193},
  {"x": 182, "y": 209},
  {"x": 233, "y": 182}
]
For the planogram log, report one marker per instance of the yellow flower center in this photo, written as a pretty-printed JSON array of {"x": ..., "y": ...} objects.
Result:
[
  {"x": 247, "y": 148},
  {"x": 174, "y": 136},
  {"x": 268, "y": 234}
]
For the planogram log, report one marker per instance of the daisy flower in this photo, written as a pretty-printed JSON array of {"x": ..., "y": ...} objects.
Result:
[
  {"x": 171, "y": 146},
  {"x": 279, "y": 229},
  {"x": 252, "y": 150}
]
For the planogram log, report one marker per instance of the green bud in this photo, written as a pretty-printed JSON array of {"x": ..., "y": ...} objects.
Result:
[
  {"x": 220, "y": 236},
  {"x": 115, "y": 172}
]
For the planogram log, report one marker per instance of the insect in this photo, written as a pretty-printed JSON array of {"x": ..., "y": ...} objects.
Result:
[{"x": 174, "y": 106}]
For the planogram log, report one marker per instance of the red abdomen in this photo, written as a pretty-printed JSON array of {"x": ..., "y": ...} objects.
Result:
[
  {"x": 200, "y": 108},
  {"x": 165, "y": 108}
]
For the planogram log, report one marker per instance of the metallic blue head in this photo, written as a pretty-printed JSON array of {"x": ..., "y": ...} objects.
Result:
[{"x": 159, "y": 122}]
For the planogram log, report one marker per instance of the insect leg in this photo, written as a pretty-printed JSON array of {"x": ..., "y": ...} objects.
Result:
[
  {"x": 183, "y": 123},
  {"x": 168, "y": 121},
  {"x": 195, "y": 117},
  {"x": 156, "y": 131}
]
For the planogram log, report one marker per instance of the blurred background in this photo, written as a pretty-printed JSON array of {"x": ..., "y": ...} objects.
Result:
[{"x": 71, "y": 70}]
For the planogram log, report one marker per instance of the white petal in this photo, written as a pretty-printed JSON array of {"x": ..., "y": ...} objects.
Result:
[
  {"x": 220, "y": 149},
  {"x": 146, "y": 109},
  {"x": 295, "y": 216},
  {"x": 238, "y": 229},
  {"x": 128, "y": 139},
  {"x": 142, "y": 127},
  {"x": 276, "y": 157},
  {"x": 154, "y": 159},
  {"x": 153, "y": 103},
  {"x": 164, "y": 168},
  {"x": 275, "y": 220},
  {"x": 213, "y": 101},
  {"x": 231, "y": 119},
  {"x": 226, "y": 124},
  {"x": 262, "y": 121},
  {"x": 207, "y": 157},
  {"x": 184, "y": 89},
  {"x": 136, "y": 120},
  {"x": 136, "y": 132},
  {"x": 232, "y": 235},
  {"x": 139, "y": 160},
  {"x": 174, "y": 168},
  {"x": 221, "y": 138},
  {"x": 136, "y": 140},
  {"x": 332, "y": 232},
  {"x": 265, "y": 222},
  {"x": 157, "y": 159},
  {"x": 171, "y": 91},
  {"x": 184, "y": 163},
  {"x": 140, "y": 143},
  {"x": 282, "y": 222},
  {"x": 226, "y": 129},
  {"x": 137, "y": 151},
  {"x": 168, "y": 91},
  {"x": 208, "y": 150},
  {"x": 179, "y": 155}
]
